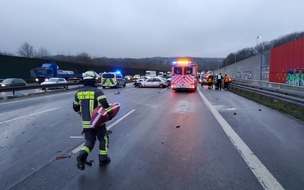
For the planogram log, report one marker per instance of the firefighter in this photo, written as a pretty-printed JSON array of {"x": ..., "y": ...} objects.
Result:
[
  {"x": 86, "y": 99},
  {"x": 210, "y": 82}
]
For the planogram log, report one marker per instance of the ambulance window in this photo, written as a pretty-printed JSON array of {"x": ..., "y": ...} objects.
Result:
[
  {"x": 188, "y": 70},
  {"x": 178, "y": 70}
]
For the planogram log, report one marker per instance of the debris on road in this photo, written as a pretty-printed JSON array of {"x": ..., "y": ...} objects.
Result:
[{"x": 62, "y": 157}]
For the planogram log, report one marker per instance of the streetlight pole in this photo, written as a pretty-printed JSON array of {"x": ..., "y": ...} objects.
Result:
[
  {"x": 258, "y": 40},
  {"x": 261, "y": 65}
]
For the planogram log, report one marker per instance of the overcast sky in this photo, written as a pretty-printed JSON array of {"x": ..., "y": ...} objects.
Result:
[{"x": 146, "y": 28}]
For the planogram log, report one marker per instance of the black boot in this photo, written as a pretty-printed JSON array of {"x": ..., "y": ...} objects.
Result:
[
  {"x": 81, "y": 159},
  {"x": 104, "y": 160}
]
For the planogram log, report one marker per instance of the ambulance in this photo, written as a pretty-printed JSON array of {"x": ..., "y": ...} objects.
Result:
[{"x": 184, "y": 75}]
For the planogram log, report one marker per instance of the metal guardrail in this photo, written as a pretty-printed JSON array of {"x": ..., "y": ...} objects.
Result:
[
  {"x": 37, "y": 86},
  {"x": 287, "y": 93},
  {"x": 279, "y": 86}
]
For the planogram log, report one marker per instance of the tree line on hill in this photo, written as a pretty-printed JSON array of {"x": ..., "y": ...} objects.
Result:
[
  {"x": 156, "y": 63},
  {"x": 153, "y": 63},
  {"x": 260, "y": 48}
]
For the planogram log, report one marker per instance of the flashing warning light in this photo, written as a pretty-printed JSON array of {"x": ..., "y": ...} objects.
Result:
[
  {"x": 118, "y": 72},
  {"x": 181, "y": 62}
]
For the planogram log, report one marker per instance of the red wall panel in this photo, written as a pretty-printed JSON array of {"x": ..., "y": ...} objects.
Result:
[{"x": 286, "y": 57}]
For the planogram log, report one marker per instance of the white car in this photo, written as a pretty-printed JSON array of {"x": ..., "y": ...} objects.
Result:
[
  {"x": 136, "y": 77},
  {"x": 55, "y": 81},
  {"x": 153, "y": 82}
]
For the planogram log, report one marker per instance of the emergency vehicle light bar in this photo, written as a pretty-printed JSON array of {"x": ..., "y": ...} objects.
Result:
[{"x": 182, "y": 62}]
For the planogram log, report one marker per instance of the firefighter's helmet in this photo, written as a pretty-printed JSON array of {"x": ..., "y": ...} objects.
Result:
[{"x": 89, "y": 75}]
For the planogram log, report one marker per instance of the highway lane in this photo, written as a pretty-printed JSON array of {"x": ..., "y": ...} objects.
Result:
[
  {"x": 169, "y": 141},
  {"x": 37, "y": 129},
  {"x": 277, "y": 139}
]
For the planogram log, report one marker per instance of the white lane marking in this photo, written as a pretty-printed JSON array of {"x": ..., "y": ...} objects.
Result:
[
  {"x": 77, "y": 149},
  {"x": 267, "y": 180},
  {"x": 163, "y": 89},
  {"x": 35, "y": 98},
  {"x": 119, "y": 120},
  {"x": 109, "y": 127},
  {"x": 128, "y": 89},
  {"x": 29, "y": 115},
  {"x": 76, "y": 137}
]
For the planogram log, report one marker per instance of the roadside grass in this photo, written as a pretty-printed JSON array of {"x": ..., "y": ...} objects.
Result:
[{"x": 282, "y": 106}]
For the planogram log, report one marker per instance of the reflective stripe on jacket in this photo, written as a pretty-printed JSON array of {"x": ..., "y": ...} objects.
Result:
[{"x": 86, "y": 100}]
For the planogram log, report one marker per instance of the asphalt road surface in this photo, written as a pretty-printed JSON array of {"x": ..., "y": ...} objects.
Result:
[{"x": 160, "y": 139}]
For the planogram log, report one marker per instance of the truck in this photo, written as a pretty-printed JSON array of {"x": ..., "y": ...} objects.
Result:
[
  {"x": 48, "y": 70},
  {"x": 150, "y": 73}
]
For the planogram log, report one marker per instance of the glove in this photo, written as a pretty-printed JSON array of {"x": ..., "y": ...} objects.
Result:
[{"x": 110, "y": 114}]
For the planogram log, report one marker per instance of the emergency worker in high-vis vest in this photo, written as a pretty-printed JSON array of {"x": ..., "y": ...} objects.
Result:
[
  {"x": 86, "y": 100},
  {"x": 219, "y": 81},
  {"x": 226, "y": 82}
]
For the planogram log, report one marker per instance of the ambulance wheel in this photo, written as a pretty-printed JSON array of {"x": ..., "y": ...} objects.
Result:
[{"x": 124, "y": 85}]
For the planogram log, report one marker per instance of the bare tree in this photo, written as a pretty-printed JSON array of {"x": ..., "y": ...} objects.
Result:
[
  {"x": 83, "y": 58},
  {"x": 26, "y": 50},
  {"x": 42, "y": 53}
]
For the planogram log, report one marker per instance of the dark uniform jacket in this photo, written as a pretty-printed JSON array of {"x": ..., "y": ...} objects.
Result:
[{"x": 86, "y": 100}]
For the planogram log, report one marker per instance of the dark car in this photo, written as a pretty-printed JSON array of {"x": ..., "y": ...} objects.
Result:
[{"x": 10, "y": 82}]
